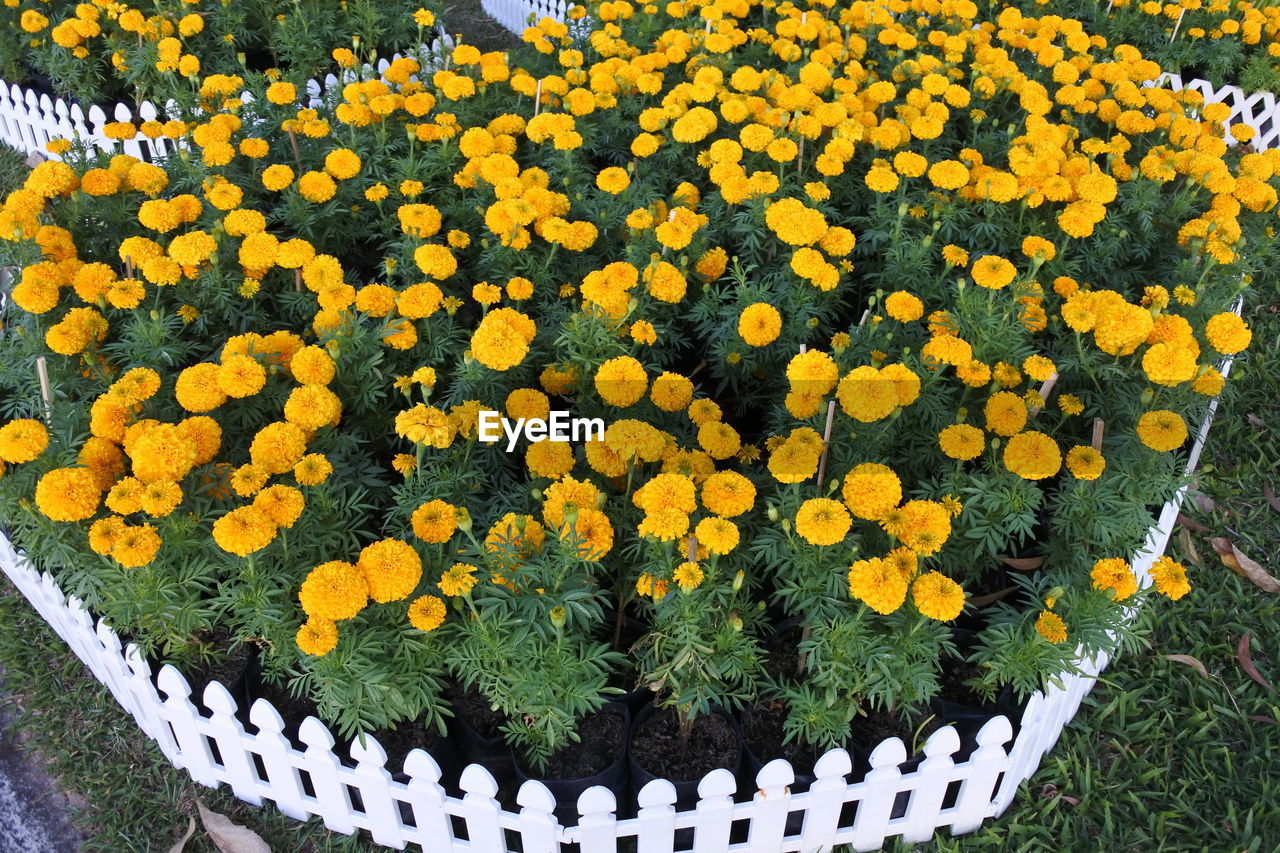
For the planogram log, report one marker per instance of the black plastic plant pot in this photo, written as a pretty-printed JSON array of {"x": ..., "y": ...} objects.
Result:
[
  {"x": 567, "y": 790},
  {"x": 492, "y": 753},
  {"x": 686, "y": 789}
]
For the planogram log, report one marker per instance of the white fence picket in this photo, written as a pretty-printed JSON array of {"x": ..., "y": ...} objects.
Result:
[
  {"x": 324, "y": 770},
  {"x": 770, "y": 805},
  {"x": 714, "y": 812},
  {"x": 373, "y": 781},
  {"x": 197, "y": 757},
  {"x": 825, "y": 799},
  {"x": 657, "y": 817},
  {"x": 283, "y": 782}
]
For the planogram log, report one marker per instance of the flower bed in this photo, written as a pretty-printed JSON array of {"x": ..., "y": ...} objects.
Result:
[{"x": 244, "y": 448}]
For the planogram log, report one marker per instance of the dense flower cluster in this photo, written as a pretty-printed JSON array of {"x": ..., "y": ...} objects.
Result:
[{"x": 992, "y": 260}]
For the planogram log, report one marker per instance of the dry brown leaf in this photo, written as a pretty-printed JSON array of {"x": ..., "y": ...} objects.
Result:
[
  {"x": 1022, "y": 564},
  {"x": 1191, "y": 525},
  {"x": 1270, "y": 495},
  {"x": 229, "y": 837},
  {"x": 1237, "y": 562},
  {"x": 1255, "y": 421},
  {"x": 1190, "y": 661},
  {"x": 1260, "y": 719},
  {"x": 1189, "y": 548},
  {"x": 181, "y": 843},
  {"x": 1246, "y": 661},
  {"x": 1203, "y": 502},
  {"x": 984, "y": 600}
]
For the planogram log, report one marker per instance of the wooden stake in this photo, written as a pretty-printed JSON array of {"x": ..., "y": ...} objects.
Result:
[
  {"x": 1045, "y": 390},
  {"x": 297, "y": 280},
  {"x": 1178, "y": 25},
  {"x": 537, "y": 99},
  {"x": 865, "y": 315},
  {"x": 1098, "y": 426},
  {"x": 46, "y": 391},
  {"x": 693, "y": 547},
  {"x": 826, "y": 443}
]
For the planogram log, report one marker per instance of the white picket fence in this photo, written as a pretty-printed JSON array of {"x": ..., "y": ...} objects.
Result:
[{"x": 30, "y": 120}]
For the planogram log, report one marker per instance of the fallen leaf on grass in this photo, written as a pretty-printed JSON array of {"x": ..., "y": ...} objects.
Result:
[
  {"x": 1190, "y": 661},
  {"x": 1271, "y": 497},
  {"x": 1237, "y": 562},
  {"x": 229, "y": 837},
  {"x": 1260, "y": 719},
  {"x": 1203, "y": 502},
  {"x": 1246, "y": 661},
  {"x": 1189, "y": 548},
  {"x": 1255, "y": 421},
  {"x": 181, "y": 843},
  {"x": 1191, "y": 525}
]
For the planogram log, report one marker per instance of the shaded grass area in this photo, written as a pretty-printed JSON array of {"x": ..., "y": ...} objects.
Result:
[{"x": 133, "y": 800}]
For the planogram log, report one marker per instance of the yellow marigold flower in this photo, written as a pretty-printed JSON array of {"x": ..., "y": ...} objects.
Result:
[
  {"x": 867, "y": 395},
  {"x": 1050, "y": 626},
  {"x": 937, "y": 596},
  {"x": 316, "y": 187},
  {"x": 961, "y": 441},
  {"x": 460, "y": 579},
  {"x": 1006, "y": 413},
  {"x": 948, "y": 174},
  {"x": 277, "y": 447},
  {"x": 311, "y": 407},
  {"x": 1114, "y": 573},
  {"x": 104, "y": 532},
  {"x": 248, "y": 480},
  {"x": 822, "y": 521},
  {"x": 425, "y": 425},
  {"x": 502, "y": 339},
  {"x": 68, "y": 494},
  {"x": 244, "y": 531},
  {"x": 870, "y": 490},
  {"x": 282, "y": 504},
  {"x": 794, "y": 462},
  {"x": 688, "y": 575},
  {"x": 1085, "y": 463},
  {"x": 317, "y": 636},
  {"x": 1032, "y": 455},
  {"x": 903, "y": 306},
  {"x": 671, "y": 392},
  {"x": 1070, "y": 404},
  {"x": 1184, "y": 295},
  {"x": 551, "y": 459},
  {"x": 160, "y": 499},
  {"x": 277, "y": 177},
  {"x": 239, "y": 376},
  {"x": 391, "y": 568},
  {"x": 923, "y": 526},
  {"x": 312, "y": 470},
  {"x": 1227, "y": 333},
  {"x": 877, "y": 583},
  {"x": 1038, "y": 367},
  {"x": 718, "y": 439},
  {"x": 993, "y": 271},
  {"x": 22, "y": 440},
  {"x": 794, "y": 223},
  {"x": 759, "y": 324},
  {"x": 1162, "y": 430},
  {"x": 1170, "y": 578},
  {"x": 718, "y": 535},
  {"x": 812, "y": 372},
  {"x": 613, "y": 180},
  {"x": 426, "y": 613},
  {"x": 666, "y": 491},
  {"x": 728, "y": 493},
  {"x": 334, "y": 591},
  {"x": 1038, "y": 246},
  {"x": 621, "y": 381},
  {"x": 136, "y": 546},
  {"x": 954, "y": 256},
  {"x": 664, "y": 524}
]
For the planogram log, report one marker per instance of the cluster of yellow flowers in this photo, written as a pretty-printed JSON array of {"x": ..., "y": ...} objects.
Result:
[{"x": 503, "y": 282}]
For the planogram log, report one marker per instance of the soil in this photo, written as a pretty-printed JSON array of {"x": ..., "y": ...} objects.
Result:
[
  {"x": 399, "y": 741},
  {"x": 602, "y": 737},
  {"x": 291, "y": 709},
  {"x": 658, "y": 748},
  {"x": 952, "y": 680},
  {"x": 226, "y": 665},
  {"x": 877, "y": 726},
  {"x": 762, "y": 731},
  {"x": 472, "y": 708},
  {"x": 782, "y": 652}
]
